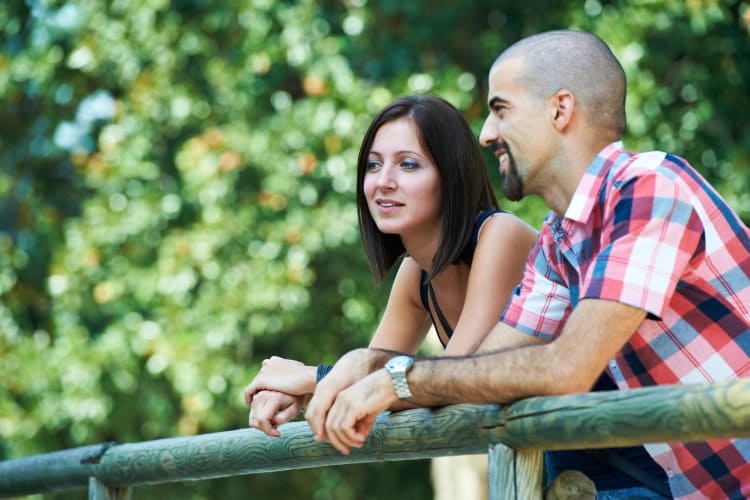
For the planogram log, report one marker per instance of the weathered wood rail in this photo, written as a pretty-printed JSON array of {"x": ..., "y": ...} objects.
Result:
[{"x": 617, "y": 418}]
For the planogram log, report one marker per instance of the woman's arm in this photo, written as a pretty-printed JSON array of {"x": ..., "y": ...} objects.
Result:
[
  {"x": 402, "y": 328},
  {"x": 502, "y": 248},
  {"x": 405, "y": 322},
  {"x": 276, "y": 393}
]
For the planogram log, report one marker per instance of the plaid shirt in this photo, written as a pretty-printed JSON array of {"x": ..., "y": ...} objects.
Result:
[{"x": 648, "y": 231}]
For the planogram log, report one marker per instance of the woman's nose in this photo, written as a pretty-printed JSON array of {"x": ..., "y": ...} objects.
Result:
[{"x": 386, "y": 178}]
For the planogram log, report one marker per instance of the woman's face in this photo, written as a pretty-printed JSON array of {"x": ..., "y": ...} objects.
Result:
[{"x": 402, "y": 184}]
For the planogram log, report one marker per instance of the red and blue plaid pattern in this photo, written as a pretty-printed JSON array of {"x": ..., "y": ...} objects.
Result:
[{"x": 648, "y": 231}]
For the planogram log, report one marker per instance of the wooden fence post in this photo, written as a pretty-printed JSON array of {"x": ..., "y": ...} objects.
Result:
[
  {"x": 514, "y": 474},
  {"x": 100, "y": 491}
]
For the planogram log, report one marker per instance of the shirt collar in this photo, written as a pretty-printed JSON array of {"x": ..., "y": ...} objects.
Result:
[{"x": 587, "y": 192}]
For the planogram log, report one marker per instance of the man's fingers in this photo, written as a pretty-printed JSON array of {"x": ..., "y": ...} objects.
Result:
[
  {"x": 315, "y": 416},
  {"x": 334, "y": 436},
  {"x": 317, "y": 411},
  {"x": 343, "y": 424},
  {"x": 347, "y": 371},
  {"x": 364, "y": 427}
]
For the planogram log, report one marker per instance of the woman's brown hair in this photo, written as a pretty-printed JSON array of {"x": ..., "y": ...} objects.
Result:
[{"x": 465, "y": 183}]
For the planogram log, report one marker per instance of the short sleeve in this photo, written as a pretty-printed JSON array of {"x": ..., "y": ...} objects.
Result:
[{"x": 541, "y": 304}]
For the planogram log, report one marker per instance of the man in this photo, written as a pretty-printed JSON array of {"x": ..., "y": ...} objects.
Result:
[{"x": 640, "y": 269}]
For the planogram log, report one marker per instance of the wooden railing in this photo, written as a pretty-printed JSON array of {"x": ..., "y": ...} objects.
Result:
[{"x": 514, "y": 434}]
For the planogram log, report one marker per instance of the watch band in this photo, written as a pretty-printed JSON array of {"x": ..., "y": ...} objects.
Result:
[
  {"x": 401, "y": 385},
  {"x": 397, "y": 368}
]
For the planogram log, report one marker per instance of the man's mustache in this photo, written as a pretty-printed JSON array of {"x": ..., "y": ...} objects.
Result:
[{"x": 495, "y": 146}]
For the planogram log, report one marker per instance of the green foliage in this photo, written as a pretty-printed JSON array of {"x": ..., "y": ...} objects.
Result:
[{"x": 177, "y": 191}]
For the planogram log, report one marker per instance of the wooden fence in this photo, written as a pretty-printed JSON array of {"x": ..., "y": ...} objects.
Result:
[{"x": 514, "y": 434}]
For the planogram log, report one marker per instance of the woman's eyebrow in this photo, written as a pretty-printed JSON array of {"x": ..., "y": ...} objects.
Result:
[{"x": 400, "y": 152}]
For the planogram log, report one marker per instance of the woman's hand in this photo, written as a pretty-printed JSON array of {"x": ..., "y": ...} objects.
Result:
[
  {"x": 282, "y": 375},
  {"x": 270, "y": 409}
]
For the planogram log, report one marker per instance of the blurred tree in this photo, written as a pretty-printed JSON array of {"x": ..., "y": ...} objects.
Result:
[{"x": 177, "y": 191}]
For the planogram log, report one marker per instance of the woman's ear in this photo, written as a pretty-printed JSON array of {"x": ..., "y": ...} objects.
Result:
[{"x": 562, "y": 105}]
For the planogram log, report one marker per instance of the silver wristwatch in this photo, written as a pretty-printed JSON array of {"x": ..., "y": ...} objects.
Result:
[{"x": 397, "y": 368}]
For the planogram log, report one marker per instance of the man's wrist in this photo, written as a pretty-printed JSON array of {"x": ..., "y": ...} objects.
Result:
[
  {"x": 379, "y": 357},
  {"x": 384, "y": 380}
]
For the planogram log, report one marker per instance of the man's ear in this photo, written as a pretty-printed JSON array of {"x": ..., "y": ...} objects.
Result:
[{"x": 562, "y": 106}]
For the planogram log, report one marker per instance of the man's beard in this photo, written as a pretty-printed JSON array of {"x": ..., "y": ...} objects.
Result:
[{"x": 512, "y": 182}]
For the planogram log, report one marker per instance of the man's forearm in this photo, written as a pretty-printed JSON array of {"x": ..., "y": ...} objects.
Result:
[
  {"x": 492, "y": 377},
  {"x": 593, "y": 334}
]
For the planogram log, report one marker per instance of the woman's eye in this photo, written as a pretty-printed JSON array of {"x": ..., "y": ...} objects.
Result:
[
  {"x": 372, "y": 165},
  {"x": 409, "y": 164}
]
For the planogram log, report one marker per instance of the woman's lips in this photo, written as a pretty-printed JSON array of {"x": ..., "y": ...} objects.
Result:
[{"x": 385, "y": 205}]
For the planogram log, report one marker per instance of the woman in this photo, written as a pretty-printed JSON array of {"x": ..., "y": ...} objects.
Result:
[{"x": 423, "y": 193}]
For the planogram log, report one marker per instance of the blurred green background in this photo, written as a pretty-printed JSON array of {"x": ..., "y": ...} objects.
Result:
[{"x": 177, "y": 192}]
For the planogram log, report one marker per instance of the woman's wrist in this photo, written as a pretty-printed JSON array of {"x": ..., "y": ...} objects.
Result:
[{"x": 321, "y": 371}]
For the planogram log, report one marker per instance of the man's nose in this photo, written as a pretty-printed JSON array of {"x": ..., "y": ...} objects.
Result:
[{"x": 489, "y": 134}]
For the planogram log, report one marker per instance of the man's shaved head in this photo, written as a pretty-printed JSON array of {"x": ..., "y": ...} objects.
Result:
[{"x": 580, "y": 63}]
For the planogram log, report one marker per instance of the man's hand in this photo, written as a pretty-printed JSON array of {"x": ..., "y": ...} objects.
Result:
[
  {"x": 282, "y": 375},
  {"x": 270, "y": 409},
  {"x": 352, "y": 414},
  {"x": 350, "y": 368}
]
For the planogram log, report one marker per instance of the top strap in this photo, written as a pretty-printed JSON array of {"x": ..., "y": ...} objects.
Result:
[
  {"x": 483, "y": 216},
  {"x": 426, "y": 288}
]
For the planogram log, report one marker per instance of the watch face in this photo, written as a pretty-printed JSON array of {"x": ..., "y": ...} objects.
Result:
[{"x": 400, "y": 362}]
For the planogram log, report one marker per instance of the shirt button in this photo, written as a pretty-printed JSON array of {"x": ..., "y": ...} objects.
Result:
[
  {"x": 670, "y": 473},
  {"x": 612, "y": 364}
]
